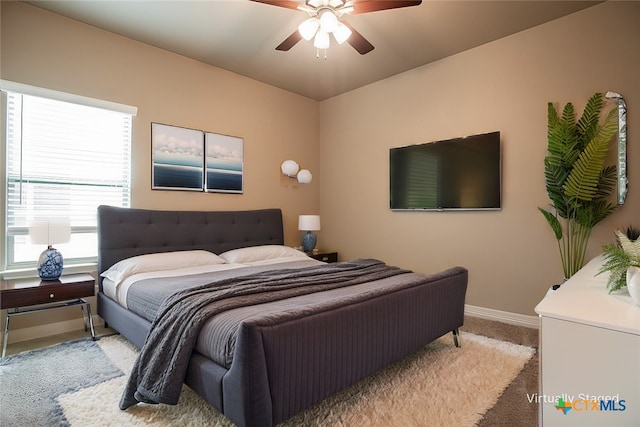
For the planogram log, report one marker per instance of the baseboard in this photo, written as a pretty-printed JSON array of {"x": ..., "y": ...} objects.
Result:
[
  {"x": 502, "y": 316},
  {"x": 42, "y": 331}
]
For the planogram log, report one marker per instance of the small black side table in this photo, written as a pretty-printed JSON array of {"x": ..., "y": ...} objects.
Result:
[{"x": 325, "y": 256}]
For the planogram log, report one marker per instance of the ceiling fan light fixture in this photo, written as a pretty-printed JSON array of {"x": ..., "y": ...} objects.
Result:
[
  {"x": 327, "y": 14},
  {"x": 308, "y": 28},
  {"x": 321, "y": 41},
  {"x": 328, "y": 21},
  {"x": 341, "y": 33}
]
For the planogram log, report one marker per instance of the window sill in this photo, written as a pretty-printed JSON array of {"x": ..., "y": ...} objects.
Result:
[{"x": 32, "y": 272}]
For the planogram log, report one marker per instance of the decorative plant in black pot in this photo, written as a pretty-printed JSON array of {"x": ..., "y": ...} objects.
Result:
[{"x": 578, "y": 181}]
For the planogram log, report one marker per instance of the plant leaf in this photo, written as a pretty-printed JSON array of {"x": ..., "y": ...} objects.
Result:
[
  {"x": 630, "y": 248},
  {"x": 587, "y": 126},
  {"x": 584, "y": 180},
  {"x": 553, "y": 223}
]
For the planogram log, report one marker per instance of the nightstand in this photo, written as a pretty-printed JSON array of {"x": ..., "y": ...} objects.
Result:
[
  {"x": 24, "y": 296},
  {"x": 325, "y": 256}
]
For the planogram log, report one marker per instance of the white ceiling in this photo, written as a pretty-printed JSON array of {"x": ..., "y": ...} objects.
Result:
[{"x": 241, "y": 36}]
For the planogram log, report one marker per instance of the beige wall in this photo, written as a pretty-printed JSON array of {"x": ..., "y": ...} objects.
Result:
[
  {"x": 505, "y": 85},
  {"x": 44, "y": 49},
  {"x": 512, "y": 255}
]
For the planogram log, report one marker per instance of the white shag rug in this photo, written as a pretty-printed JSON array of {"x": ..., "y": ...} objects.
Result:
[{"x": 440, "y": 385}]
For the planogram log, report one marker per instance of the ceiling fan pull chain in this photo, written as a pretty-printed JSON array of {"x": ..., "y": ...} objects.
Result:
[{"x": 318, "y": 54}]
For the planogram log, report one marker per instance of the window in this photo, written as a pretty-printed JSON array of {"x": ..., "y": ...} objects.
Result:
[{"x": 64, "y": 159}]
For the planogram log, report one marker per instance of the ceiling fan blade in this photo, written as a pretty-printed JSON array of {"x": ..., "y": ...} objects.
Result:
[
  {"x": 289, "y": 4},
  {"x": 365, "y": 6},
  {"x": 358, "y": 42},
  {"x": 290, "y": 41}
]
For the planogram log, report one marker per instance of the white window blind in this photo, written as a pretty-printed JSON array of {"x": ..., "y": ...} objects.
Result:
[{"x": 63, "y": 160}]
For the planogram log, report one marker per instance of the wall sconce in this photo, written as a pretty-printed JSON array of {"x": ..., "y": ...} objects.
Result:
[{"x": 292, "y": 170}]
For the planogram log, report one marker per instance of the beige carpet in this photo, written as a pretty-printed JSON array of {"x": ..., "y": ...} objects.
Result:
[
  {"x": 513, "y": 408},
  {"x": 438, "y": 386}
]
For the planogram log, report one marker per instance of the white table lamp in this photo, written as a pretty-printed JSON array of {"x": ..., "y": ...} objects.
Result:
[
  {"x": 309, "y": 223},
  {"x": 50, "y": 262}
]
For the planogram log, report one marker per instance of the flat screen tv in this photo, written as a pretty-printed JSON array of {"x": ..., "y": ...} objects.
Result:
[{"x": 455, "y": 174}]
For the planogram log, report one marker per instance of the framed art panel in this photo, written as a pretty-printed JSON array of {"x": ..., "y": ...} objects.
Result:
[
  {"x": 177, "y": 158},
  {"x": 224, "y": 161}
]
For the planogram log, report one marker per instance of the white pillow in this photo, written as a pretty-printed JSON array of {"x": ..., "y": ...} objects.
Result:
[
  {"x": 260, "y": 253},
  {"x": 159, "y": 262}
]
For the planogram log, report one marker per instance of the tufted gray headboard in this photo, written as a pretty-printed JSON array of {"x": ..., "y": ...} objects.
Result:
[{"x": 124, "y": 232}]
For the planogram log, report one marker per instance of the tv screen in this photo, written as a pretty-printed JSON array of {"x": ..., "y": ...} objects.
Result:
[{"x": 461, "y": 173}]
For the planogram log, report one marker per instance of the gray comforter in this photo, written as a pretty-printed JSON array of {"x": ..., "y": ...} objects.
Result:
[{"x": 160, "y": 368}]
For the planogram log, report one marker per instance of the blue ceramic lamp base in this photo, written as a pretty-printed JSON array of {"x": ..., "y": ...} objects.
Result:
[
  {"x": 309, "y": 241},
  {"x": 50, "y": 264}
]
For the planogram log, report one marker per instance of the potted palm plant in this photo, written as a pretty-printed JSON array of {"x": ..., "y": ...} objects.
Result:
[{"x": 578, "y": 180}]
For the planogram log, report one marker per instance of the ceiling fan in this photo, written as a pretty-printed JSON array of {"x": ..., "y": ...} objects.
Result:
[{"x": 325, "y": 19}]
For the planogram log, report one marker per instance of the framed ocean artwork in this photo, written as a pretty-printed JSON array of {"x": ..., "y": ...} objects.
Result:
[
  {"x": 177, "y": 158},
  {"x": 223, "y": 163},
  {"x": 195, "y": 160}
]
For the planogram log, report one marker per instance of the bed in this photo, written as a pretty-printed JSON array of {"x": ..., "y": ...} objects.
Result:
[{"x": 283, "y": 353}]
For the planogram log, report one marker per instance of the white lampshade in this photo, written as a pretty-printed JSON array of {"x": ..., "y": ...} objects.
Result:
[
  {"x": 309, "y": 222},
  {"x": 289, "y": 168},
  {"x": 341, "y": 33},
  {"x": 328, "y": 21},
  {"x": 308, "y": 28},
  {"x": 49, "y": 232},
  {"x": 321, "y": 41},
  {"x": 304, "y": 176}
]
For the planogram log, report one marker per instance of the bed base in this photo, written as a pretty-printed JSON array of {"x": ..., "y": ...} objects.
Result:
[
  {"x": 269, "y": 380},
  {"x": 283, "y": 367}
]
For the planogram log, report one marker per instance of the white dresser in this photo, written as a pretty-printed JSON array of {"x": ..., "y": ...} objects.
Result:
[{"x": 589, "y": 354}]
